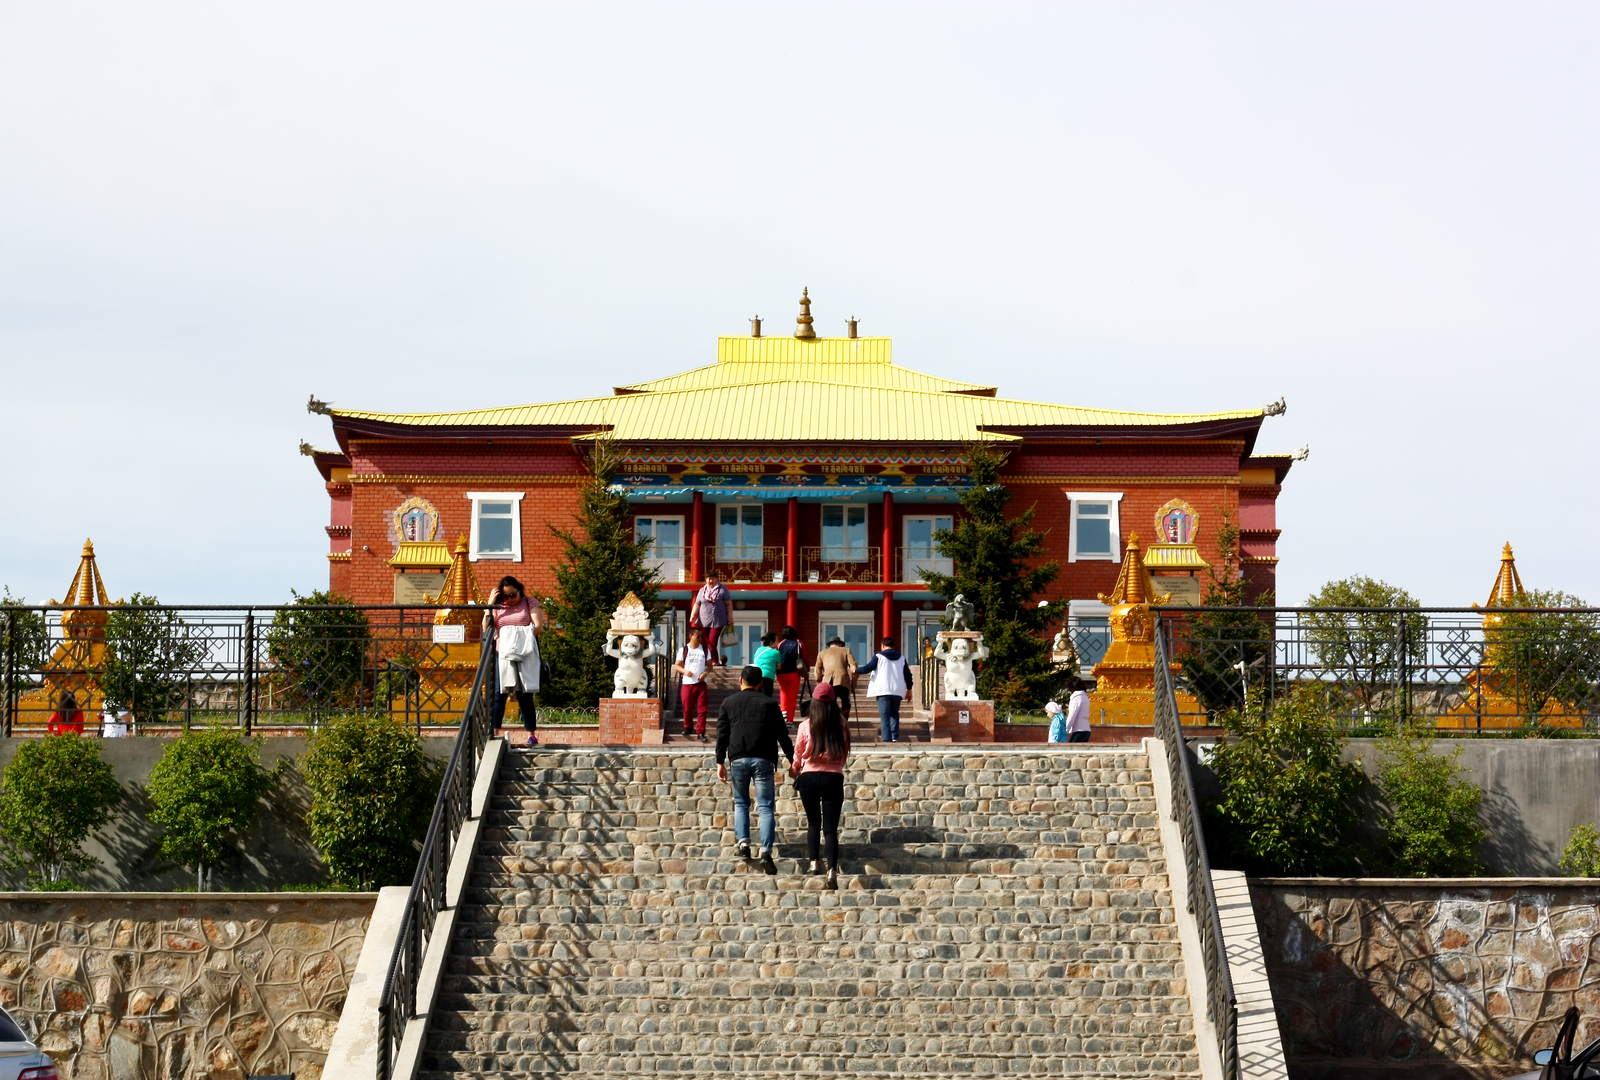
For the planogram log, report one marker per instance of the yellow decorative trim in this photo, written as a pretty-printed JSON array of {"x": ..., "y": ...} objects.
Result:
[
  {"x": 1093, "y": 480},
  {"x": 338, "y": 556},
  {"x": 453, "y": 478},
  {"x": 1258, "y": 560}
]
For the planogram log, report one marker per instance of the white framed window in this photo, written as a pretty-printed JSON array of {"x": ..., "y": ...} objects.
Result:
[
  {"x": 739, "y": 536},
  {"x": 854, "y": 628},
  {"x": 1096, "y": 530},
  {"x": 666, "y": 550},
  {"x": 1089, "y": 625},
  {"x": 844, "y": 533},
  {"x": 496, "y": 525},
  {"x": 920, "y": 552}
]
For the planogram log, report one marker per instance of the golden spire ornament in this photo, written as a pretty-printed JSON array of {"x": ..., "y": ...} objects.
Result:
[{"x": 803, "y": 329}]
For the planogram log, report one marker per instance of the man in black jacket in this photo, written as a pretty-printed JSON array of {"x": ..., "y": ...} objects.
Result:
[{"x": 750, "y": 731}]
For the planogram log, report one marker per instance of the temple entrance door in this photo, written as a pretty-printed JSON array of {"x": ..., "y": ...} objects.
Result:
[
  {"x": 742, "y": 640},
  {"x": 855, "y": 627}
]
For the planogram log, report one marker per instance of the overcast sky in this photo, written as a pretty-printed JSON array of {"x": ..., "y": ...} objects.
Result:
[{"x": 1385, "y": 213}]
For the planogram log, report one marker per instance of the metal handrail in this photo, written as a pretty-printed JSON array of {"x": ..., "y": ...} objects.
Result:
[
  {"x": 398, "y": 1002},
  {"x": 1221, "y": 1005}
]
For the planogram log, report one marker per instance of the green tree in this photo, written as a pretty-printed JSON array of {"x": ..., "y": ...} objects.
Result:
[
  {"x": 1430, "y": 825},
  {"x": 1224, "y": 632},
  {"x": 600, "y": 563},
  {"x": 319, "y": 647},
  {"x": 207, "y": 790},
  {"x": 1370, "y": 651},
  {"x": 1547, "y": 656},
  {"x": 53, "y": 795},
  {"x": 372, "y": 793},
  {"x": 149, "y": 655},
  {"x": 22, "y": 633},
  {"x": 995, "y": 570},
  {"x": 1287, "y": 804},
  {"x": 1582, "y": 855}
]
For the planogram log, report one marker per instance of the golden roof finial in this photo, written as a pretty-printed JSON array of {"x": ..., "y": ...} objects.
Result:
[
  {"x": 803, "y": 329},
  {"x": 87, "y": 590},
  {"x": 1134, "y": 584},
  {"x": 1508, "y": 583}
]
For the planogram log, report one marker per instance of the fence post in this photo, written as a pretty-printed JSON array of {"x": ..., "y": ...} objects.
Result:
[
  {"x": 11, "y": 671},
  {"x": 248, "y": 704}
]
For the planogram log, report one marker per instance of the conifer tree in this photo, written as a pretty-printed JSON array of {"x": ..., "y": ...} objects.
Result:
[
  {"x": 600, "y": 564},
  {"x": 1224, "y": 631},
  {"x": 994, "y": 569}
]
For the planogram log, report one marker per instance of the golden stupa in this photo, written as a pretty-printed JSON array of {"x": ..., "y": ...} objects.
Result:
[
  {"x": 450, "y": 666},
  {"x": 1125, "y": 679},
  {"x": 1494, "y": 696},
  {"x": 76, "y": 663}
]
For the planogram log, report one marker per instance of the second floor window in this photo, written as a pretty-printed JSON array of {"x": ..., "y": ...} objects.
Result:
[
  {"x": 739, "y": 532},
  {"x": 844, "y": 533},
  {"x": 1096, "y": 531}
]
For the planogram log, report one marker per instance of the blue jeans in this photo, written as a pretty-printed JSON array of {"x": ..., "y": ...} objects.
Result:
[
  {"x": 741, "y": 772},
  {"x": 889, "y": 718}
]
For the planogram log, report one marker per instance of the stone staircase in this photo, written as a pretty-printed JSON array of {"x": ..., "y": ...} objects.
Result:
[{"x": 1000, "y": 913}]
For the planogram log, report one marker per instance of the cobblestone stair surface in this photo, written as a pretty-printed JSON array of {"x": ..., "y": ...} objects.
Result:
[{"x": 998, "y": 914}]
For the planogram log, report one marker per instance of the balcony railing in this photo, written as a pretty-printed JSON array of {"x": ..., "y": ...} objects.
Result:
[
  {"x": 737, "y": 563},
  {"x": 841, "y": 565},
  {"x": 909, "y": 560}
]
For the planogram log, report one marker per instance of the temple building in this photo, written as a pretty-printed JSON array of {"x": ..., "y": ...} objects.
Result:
[{"x": 811, "y": 473}]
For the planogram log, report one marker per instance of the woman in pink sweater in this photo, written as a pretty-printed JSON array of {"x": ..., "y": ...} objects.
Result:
[{"x": 820, "y": 753}]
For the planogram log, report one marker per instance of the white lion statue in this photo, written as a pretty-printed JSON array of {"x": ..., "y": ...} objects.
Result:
[
  {"x": 960, "y": 680},
  {"x": 631, "y": 652}
]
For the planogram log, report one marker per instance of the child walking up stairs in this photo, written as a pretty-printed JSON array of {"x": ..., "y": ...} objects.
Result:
[{"x": 1000, "y": 913}]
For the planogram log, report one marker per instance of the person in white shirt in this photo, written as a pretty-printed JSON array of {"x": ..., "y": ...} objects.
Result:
[
  {"x": 1077, "y": 711},
  {"x": 692, "y": 694}
]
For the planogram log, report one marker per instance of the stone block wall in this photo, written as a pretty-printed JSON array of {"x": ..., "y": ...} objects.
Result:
[
  {"x": 180, "y": 986},
  {"x": 1379, "y": 978}
]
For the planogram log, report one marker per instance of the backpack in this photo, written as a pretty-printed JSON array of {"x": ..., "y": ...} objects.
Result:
[{"x": 788, "y": 656}]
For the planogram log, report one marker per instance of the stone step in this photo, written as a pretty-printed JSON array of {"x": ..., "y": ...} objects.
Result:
[
  {"x": 1092, "y": 1056},
  {"x": 857, "y": 895},
  {"x": 782, "y": 1044},
  {"x": 787, "y": 857}
]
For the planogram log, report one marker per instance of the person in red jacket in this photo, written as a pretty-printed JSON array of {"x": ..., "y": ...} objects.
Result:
[{"x": 68, "y": 718}]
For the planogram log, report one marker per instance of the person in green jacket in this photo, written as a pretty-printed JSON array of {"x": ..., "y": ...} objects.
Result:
[{"x": 767, "y": 659}]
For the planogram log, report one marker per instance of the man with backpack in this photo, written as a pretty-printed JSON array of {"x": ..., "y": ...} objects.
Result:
[
  {"x": 889, "y": 683},
  {"x": 791, "y": 662}
]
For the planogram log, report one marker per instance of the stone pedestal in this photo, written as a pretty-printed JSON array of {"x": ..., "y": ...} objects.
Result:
[
  {"x": 978, "y": 726},
  {"x": 631, "y": 721}
]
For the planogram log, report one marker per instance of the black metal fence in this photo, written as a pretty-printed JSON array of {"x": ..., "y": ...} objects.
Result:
[
  {"x": 1457, "y": 669},
  {"x": 292, "y": 665}
]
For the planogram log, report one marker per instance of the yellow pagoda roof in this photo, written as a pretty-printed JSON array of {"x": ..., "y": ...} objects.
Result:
[
  {"x": 811, "y": 411},
  {"x": 796, "y": 388}
]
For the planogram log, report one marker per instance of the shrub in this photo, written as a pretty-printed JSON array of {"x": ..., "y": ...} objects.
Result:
[
  {"x": 1430, "y": 825},
  {"x": 1287, "y": 798},
  {"x": 372, "y": 792},
  {"x": 320, "y": 649},
  {"x": 1582, "y": 855},
  {"x": 207, "y": 790},
  {"x": 1225, "y": 631},
  {"x": 55, "y": 792},
  {"x": 23, "y": 632}
]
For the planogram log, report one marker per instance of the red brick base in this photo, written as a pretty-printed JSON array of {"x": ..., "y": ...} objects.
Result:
[
  {"x": 632, "y": 721},
  {"x": 978, "y": 728}
]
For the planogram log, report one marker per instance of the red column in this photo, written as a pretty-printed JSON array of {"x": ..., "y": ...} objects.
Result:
[
  {"x": 886, "y": 568},
  {"x": 793, "y": 612},
  {"x": 695, "y": 547},
  {"x": 791, "y": 555}
]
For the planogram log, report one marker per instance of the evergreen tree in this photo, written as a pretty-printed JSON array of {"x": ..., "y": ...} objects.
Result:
[
  {"x": 600, "y": 564},
  {"x": 994, "y": 570}
]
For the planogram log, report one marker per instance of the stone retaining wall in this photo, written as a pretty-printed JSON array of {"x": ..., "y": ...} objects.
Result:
[
  {"x": 1378, "y": 978},
  {"x": 119, "y": 986}
]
